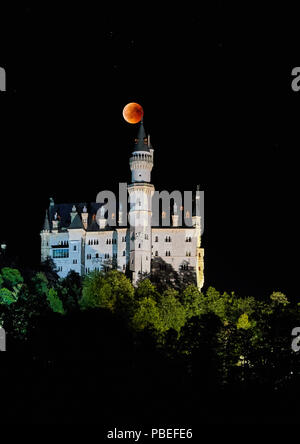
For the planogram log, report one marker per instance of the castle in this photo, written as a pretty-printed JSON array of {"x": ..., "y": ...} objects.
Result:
[{"x": 82, "y": 238}]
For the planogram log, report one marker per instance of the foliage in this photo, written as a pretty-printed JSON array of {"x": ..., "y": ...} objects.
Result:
[
  {"x": 146, "y": 289},
  {"x": 221, "y": 337},
  {"x": 279, "y": 298},
  {"x": 70, "y": 291},
  {"x": 54, "y": 301},
  {"x": 10, "y": 277},
  {"x": 147, "y": 315},
  {"x": 6, "y": 296},
  {"x": 243, "y": 322},
  {"x": 172, "y": 313},
  {"x": 110, "y": 290}
]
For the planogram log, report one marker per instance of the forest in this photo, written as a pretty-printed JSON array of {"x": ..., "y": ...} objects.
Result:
[{"x": 96, "y": 349}]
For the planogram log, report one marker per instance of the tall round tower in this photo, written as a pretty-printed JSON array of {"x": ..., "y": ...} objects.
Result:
[{"x": 140, "y": 199}]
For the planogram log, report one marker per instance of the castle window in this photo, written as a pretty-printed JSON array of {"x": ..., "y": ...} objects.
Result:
[
  {"x": 139, "y": 245},
  {"x": 146, "y": 236},
  {"x": 188, "y": 253},
  {"x": 88, "y": 256},
  {"x": 124, "y": 253},
  {"x": 168, "y": 253},
  {"x": 156, "y": 238},
  {"x": 123, "y": 238},
  {"x": 74, "y": 248},
  {"x": 60, "y": 253},
  {"x": 124, "y": 266},
  {"x": 74, "y": 261},
  {"x": 97, "y": 256},
  {"x": 156, "y": 253}
]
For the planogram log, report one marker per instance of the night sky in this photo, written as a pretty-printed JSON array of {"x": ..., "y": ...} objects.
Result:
[{"x": 215, "y": 85}]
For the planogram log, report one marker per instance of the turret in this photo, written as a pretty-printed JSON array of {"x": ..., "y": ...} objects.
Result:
[
  {"x": 141, "y": 162},
  {"x": 140, "y": 198},
  {"x": 45, "y": 238}
]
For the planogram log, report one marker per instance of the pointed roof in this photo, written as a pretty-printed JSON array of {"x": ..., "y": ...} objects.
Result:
[
  {"x": 141, "y": 141},
  {"x": 46, "y": 222},
  {"x": 77, "y": 222}
]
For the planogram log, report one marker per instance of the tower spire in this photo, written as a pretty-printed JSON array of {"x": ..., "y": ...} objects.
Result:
[
  {"x": 46, "y": 222},
  {"x": 141, "y": 141}
]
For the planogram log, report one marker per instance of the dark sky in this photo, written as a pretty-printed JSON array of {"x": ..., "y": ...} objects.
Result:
[{"x": 215, "y": 85}]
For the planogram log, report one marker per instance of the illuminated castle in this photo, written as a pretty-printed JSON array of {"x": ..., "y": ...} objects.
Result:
[{"x": 80, "y": 237}]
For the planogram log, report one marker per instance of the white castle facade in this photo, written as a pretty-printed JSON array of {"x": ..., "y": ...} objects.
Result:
[{"x": 80, "y": 237}]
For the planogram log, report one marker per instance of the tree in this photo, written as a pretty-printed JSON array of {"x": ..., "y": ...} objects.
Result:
[
  {"x": 147, "y": 315},
  {"x": 110, "y": 290},
  {"x": 6, "y": 296},
  {"x": 171, "y": 312},
  {"x": 54, "y": 301},
  {"x": 146, "y": 289},
  {"x": 243, "y": 322},
  {"x": 70, "y": 290},
  {"x": 279, "y": 298},
  {"x": 11, "y": 277},
  {"x": 193, "y": 301}
]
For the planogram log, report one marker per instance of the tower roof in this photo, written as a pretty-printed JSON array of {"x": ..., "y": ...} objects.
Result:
[
  {"x": 46, "y": 222},
  {"x": 141, "y": 141},
  {"x": 76, "y": 223}
]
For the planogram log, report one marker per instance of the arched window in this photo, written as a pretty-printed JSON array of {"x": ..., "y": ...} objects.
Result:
[
  {"x": 156, "y": 253},
  {"x": 156, "y": 238},
  {"x": 124, "y": 253}
]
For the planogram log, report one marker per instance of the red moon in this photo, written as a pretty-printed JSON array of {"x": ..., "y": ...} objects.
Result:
[{"x": 133, "y": 112}]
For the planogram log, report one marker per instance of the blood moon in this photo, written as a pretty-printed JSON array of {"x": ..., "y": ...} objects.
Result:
[{"x": 133, "y": 112}]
